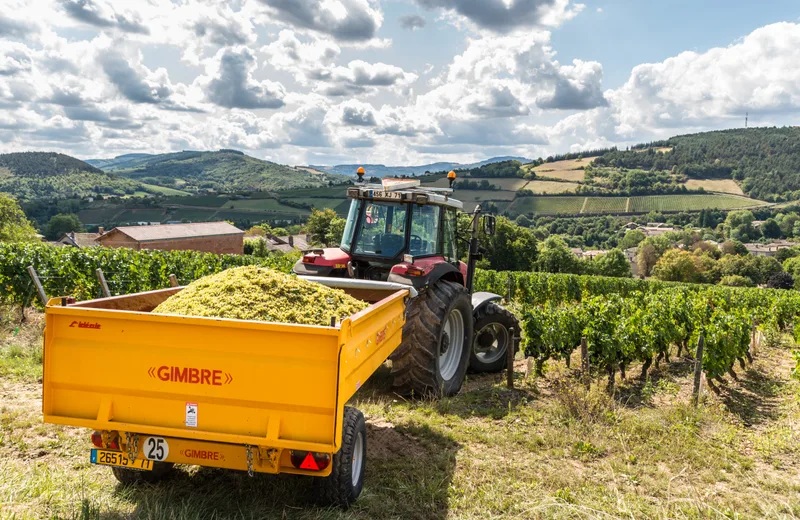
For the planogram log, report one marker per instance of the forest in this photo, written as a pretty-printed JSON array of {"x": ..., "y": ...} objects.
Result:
[{"x": 765, "y": 160}]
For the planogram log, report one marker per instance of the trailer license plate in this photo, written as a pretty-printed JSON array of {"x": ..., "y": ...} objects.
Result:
[{"x": 117, "y": 458}]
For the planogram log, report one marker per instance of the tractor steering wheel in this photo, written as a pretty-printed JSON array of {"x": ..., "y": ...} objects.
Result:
[{"x": 417, "y": 244}]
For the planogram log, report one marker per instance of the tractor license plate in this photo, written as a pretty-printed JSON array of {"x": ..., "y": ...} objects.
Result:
[{"x": 117, "y": 458}]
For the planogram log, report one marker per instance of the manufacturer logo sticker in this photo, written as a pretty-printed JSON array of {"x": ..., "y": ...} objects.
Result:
[
  {"x": 190, "y": 375},
  {"x": 84, "y": 325}
]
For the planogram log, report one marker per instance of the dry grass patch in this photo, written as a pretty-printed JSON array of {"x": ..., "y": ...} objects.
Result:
[
  {"x": 716, "y": 185},
  {"x": 540, "y": 187},
  {"x": 547, "y": 449},
  {"x": 564, "y": 170}
]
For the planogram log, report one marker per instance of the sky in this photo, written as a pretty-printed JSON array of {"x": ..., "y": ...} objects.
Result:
[{"x": 396, "y": 82}]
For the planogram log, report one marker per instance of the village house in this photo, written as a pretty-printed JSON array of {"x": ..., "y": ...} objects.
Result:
[
  {"x": 209, "y": 237},
  {"x": 80, "y": 240}
]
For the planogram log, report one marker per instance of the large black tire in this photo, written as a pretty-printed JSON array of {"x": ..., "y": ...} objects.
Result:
[
  {"x": 493, "y": 324},
  {"x": 421, "y": 365},
  {"x": 132, "y": 477},
  {"x": 346, "y": 480}
]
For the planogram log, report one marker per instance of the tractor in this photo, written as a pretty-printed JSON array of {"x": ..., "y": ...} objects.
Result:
[{"x": 403, "y": 234}]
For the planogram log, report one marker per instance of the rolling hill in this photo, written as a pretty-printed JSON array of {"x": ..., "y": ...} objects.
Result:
[
  {"x": 223, "y": 170},
  {"x": 31, "y": 176},
  {"x": 381, "y": 170},
  {"x": 766, "y": 161}
]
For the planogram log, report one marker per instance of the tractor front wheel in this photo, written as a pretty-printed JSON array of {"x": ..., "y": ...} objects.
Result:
[
  {"x": 493, "y": 338},
  {"x": 433, "y": 357}
]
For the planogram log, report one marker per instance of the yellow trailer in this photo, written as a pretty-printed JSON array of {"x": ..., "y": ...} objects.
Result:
[{"x": 263, "y": 397}]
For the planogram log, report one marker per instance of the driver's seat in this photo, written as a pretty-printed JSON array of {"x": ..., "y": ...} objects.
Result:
[{"x": 391, "y": 244}]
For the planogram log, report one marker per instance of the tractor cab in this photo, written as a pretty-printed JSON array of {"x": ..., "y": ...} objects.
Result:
[{"x": 396, "y": 231}]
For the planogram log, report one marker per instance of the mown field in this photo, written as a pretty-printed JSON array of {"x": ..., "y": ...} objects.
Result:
[
  {"x": 547, "y": 449},
  {"x": 716, "y": 185},
  {"x": 548, "y": 187},
  {"x": 565, "y": 170}
]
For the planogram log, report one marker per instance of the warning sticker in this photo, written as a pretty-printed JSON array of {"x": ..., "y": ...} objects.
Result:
[{"x": 191, "y": 415}]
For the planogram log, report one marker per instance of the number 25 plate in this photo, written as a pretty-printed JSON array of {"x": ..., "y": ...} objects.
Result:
[{"x": 117, "y": 458}]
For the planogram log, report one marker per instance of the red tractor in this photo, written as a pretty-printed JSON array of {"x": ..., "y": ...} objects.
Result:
[{"x": 398, "y": 233}]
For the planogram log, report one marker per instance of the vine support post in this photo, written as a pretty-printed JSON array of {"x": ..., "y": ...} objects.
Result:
[
  {"x": 103, "y": 284},
  {"x": 753, "y": 345},
  {"x": 38, "y": 284},
  {"x": 173, "y": 280},
  {"x": 698, "y": 370},
  {"x": 587, "y": 380},
  {"x": 510, "y": 361}
]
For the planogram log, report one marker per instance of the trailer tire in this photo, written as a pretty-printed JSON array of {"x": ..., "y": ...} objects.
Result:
[
  {"x": 132, "y": 477},
  {"x": 346, "y": 480},
  {"x": 429, "y": 362},
  {"x": 493, "y": 324}
]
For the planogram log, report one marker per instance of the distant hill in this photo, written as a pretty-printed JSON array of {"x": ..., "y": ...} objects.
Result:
[
  {"x": 122, "y": 161},
  {"x": 45, "y": 175},
  {"x": 381, "y": 170},
  {"x": 765, "y": 160},
  {"x": 223, "y": 170}
]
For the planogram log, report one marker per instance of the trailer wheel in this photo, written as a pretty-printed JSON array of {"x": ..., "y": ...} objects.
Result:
[
  {"x": 346, "y": 480},
  {"x": 493, "y": 324},
  {"x": 132, "y": 477},
  {"x": 433, "y": 356}
]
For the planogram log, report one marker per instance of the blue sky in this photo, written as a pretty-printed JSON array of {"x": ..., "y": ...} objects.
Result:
[{"x": 389, "y": 81}]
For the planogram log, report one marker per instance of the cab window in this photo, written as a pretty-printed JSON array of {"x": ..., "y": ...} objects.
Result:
[
  {"x": 382, "y": 229},
  {"x": 425, "y": 224}
]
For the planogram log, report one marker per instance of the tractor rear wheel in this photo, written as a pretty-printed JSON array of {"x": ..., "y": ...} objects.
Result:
[
  {"x": 493, "y": 324},
  {"x": 433, "y": 357}
]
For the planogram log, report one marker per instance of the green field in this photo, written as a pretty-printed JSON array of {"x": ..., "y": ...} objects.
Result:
[
  {"x": 211, "y": 201},
  {"x": 258, "y": 216},
  {"x": 169, "y": 192},
  {"x": 605, "y": 205},
  {"x": 192, "y": 215},
  {"x": 509, "y": 184},
  {"x": 142, "y": 215},
  {"x": 270, "y": 205},
  {"x": 690, "y": 202},
  {"x": 470, "y": 195},
  {"x": 547, "y": 205},
  {"x": 332, "y": 192},
  {"x": 318, "y": 202},
  {"x": 99, "y": 215}
]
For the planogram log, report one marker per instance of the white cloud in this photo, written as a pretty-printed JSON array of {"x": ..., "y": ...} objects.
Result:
[
  {"x": 231, "y": 83},
  {"x": 503, "y": 16},
  {"x": 345, "y": 20}
]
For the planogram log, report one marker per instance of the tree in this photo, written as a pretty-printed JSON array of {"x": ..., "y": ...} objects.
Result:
[
  {"x": 738, "y": 225},
  {"x": 613, "y": 263},
  {"x": 523, "y": 221},
  {"x": 632, "y": 238},
  {"x": 556, "y": 257},
  {"x": 734, "y": 280},
  {"x": 781, "y": 281},
  {"x": 733, "y": 247},
  {"x": 318, "y": 226},
  {"x": 650, "y": 250},
  {"x": 14, "y": 226},
  {"x": 335, "y": 231},
  {"x": 511, "y": 248},
  {"x": 676, "y": 266},
  {"x": 62, "y": 224},
  {"x": 771, "y": 229}
]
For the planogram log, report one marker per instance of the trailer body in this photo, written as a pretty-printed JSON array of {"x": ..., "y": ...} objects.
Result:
[{"x": 225, "y": 393}]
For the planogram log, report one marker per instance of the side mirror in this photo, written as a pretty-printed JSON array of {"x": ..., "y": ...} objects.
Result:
[{"x": 489, "y": 224}]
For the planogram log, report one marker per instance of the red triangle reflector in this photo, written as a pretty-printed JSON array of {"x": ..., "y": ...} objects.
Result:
[{"x": 309, "y": 463}]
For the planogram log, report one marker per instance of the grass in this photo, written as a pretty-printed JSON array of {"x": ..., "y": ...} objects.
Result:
[
  {"x": 715, "y": 185},
  {"x": 261, "y": 205},
  {"x": 142, "y": 215},
  {"x": 169, "y": 192},
  {"x": 551, "y": 187},
  {"x": 605, "y": 205},
  {"x": 545, "y": 450},
  {"x": 546, "y": 205},
  {"x": 564, "y": 170},
  {"x": 690, "y": 202}
]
